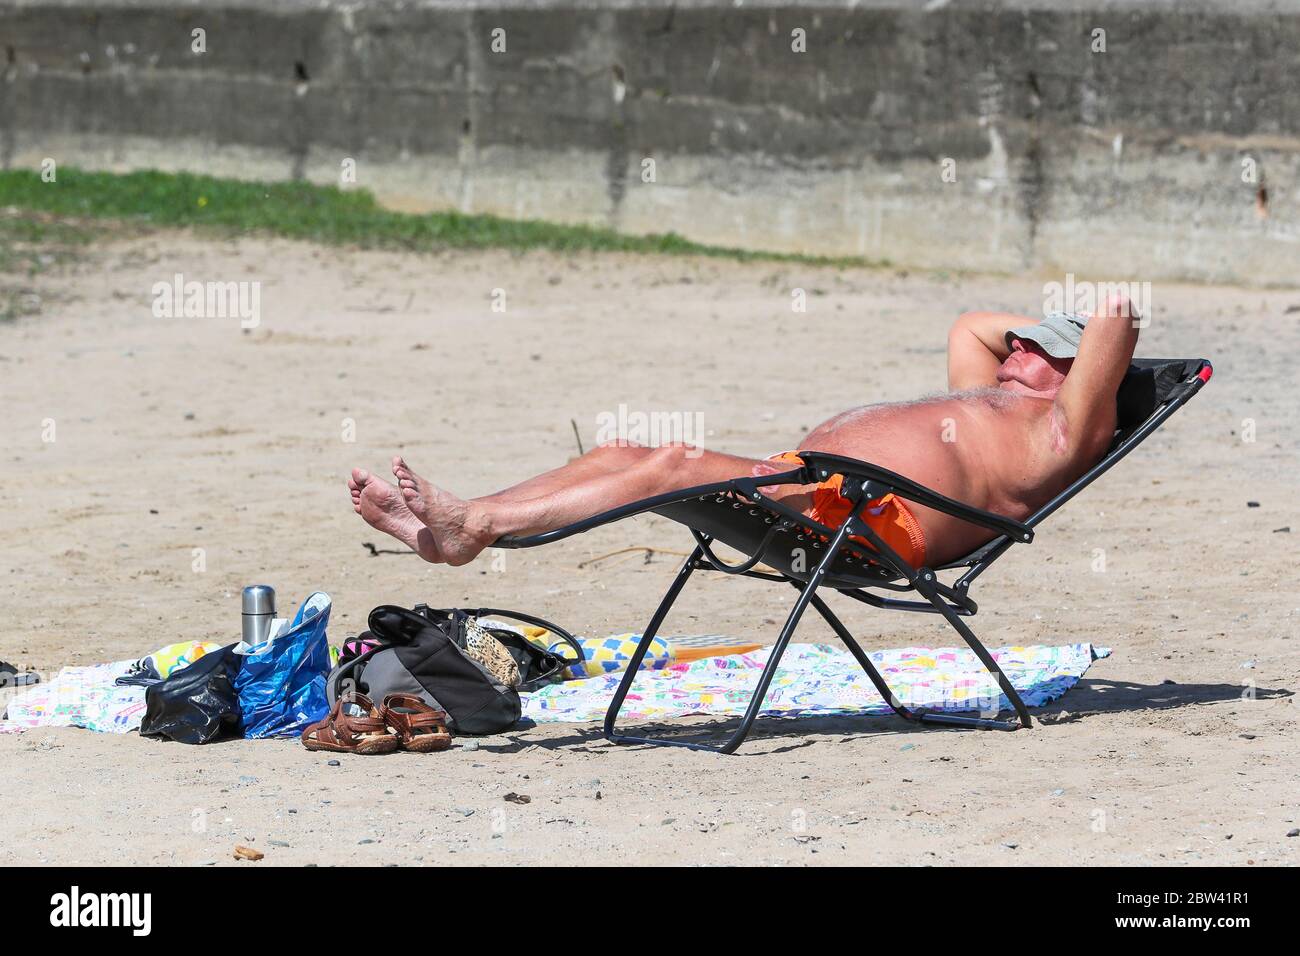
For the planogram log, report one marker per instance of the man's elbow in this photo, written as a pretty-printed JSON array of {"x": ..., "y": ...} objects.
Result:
[
  {"x": 1113, "y": 329},
  {"x": 1117, "y": 306},
  {"x": 969, "y": 320}
]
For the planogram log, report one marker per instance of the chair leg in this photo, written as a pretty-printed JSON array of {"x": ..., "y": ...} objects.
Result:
[
  {"x": 924, "y": 583},
  {"x": 769, "y": 670},
  {"x": 656, "y": 621},
  {"x": 806, "y": 595},
  {"x": 863, "y": 660},
  {"x": 755, "y": 701},
  {"x": 920, "y": 715}
]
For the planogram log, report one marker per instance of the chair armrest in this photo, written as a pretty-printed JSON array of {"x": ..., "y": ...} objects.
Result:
[
  {"x": 823, "y": 465},
  {"x": 736, "y": 485}
]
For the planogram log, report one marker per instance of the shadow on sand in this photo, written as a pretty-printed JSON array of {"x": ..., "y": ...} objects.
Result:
[{"x": 1089, "y": 698}]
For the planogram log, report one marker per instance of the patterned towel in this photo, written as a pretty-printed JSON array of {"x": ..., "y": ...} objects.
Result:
[
  {"x": 81, "y": 697},
  {"x": 819, "y": 679},
  {"x": 813, "y": 679},
  {"x": 90, "y": 697}
]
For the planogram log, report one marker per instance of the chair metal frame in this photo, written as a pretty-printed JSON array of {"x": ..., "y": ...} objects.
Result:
[{"x": 884, "y": 569}]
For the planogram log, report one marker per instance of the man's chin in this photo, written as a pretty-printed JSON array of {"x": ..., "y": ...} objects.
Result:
[{"x": 1017, "y": 387}]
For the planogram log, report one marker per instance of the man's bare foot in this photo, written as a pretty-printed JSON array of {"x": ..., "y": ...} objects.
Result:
[
  {"x": 460, "y": 528},
  {"x": 383, "y": 508}
]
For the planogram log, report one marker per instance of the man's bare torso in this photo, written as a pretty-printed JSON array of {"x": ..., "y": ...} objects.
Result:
[{"x": 988, "y": 447}]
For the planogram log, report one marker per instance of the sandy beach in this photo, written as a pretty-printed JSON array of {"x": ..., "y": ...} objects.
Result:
[{"x": 178, "y": 434}]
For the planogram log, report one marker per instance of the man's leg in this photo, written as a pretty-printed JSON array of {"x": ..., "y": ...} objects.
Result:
[
  {"x": 601, "y": 460},
  {"x": 382, "y": 506},
  {"x": 461, "y": 529}
]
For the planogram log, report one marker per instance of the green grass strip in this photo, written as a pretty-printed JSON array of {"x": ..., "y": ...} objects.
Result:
[{"x": 299, "y": 210}]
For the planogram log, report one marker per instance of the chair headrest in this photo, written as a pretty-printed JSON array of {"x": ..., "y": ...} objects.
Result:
[{"x": 1148, "y": 385}]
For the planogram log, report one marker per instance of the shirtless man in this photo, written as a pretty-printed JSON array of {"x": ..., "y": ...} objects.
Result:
[{"x": 1031, "y": 407}]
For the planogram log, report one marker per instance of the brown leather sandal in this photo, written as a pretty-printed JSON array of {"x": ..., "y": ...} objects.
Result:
[
  {"x": 419, "y": 727},
  {"x": 345, "y": 733}
]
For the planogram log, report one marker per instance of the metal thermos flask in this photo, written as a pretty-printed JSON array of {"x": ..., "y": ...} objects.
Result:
[{"x": 259, "y": 611}]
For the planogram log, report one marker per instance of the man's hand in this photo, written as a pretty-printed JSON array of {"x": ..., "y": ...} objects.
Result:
[{"x": 977, "y": 345}]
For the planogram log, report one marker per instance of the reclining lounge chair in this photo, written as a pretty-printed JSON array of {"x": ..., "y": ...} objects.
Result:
[{"x": 811, "y": 556}]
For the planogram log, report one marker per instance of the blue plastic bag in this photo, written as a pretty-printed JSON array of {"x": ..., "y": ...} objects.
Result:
[{"x": 281, "y": 686}]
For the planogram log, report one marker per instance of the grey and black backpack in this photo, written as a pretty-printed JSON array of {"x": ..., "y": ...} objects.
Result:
[{"x": 427, "y": 652}]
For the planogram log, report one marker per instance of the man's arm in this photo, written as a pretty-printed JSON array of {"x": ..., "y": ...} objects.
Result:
[
  {"x": 977, "y": 345},
  {"x": 1085, "y": 406}
]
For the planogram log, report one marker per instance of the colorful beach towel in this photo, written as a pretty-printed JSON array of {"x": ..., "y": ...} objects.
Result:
[
  {"x": 819, "y": 679},
  {"x": 90, "y": 697},
  {"x": 81, "y": 697},
  {"x": 611, "y": 655},
  {"x": 812, "y": 679}
]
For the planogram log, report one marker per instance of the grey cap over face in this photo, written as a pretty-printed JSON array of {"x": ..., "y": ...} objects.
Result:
[{"x": 1058, "y": 334}]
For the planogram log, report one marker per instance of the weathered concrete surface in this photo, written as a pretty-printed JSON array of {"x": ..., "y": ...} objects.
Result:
[{"x": 1133, "y": 163}]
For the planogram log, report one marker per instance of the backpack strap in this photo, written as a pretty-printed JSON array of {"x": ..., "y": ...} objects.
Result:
[
  {"x": 393, "y": 625},
  {"x": 532, "y": 619}
]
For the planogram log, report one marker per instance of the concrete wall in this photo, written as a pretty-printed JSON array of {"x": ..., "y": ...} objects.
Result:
[{"x": 1126, "y": 164}]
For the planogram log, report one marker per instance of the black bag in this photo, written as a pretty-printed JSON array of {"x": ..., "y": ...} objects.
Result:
[
  {"x": 423, "y": 652},
  {"x": 198, "y": 703}
]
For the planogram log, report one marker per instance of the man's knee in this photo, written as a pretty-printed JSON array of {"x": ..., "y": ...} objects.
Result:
[
  {"x": 617, "y": 444},
  {"x": 673, "y": 455},
  {"x": 667, "y": 455},
  {"x": 618, "y": 452}
]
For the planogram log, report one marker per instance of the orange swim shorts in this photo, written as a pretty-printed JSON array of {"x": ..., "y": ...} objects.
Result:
[{"x": 887, "y": 516}]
